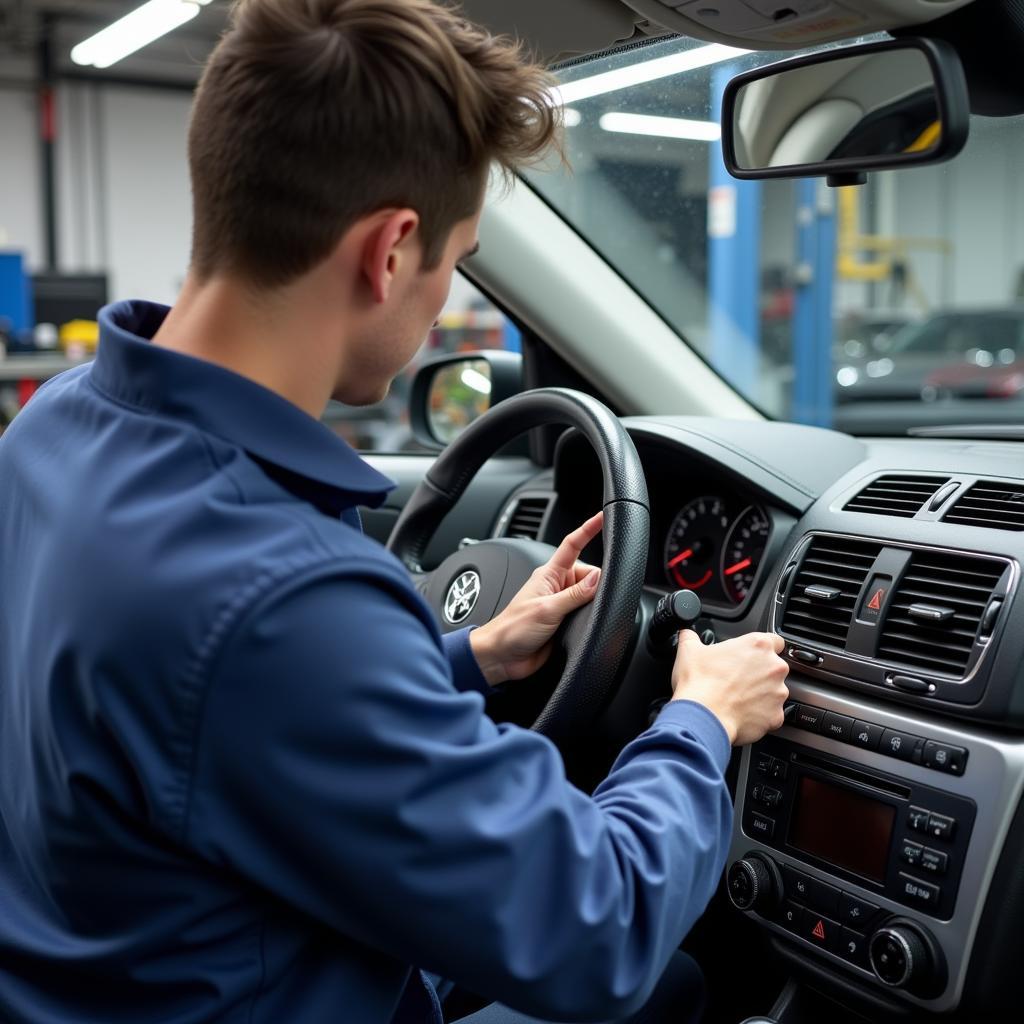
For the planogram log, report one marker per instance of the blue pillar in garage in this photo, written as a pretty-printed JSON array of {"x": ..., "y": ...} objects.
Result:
[
  {"x": 734, "y": 263},
  {"x": 15, "y": 291},
  {"x": 812, "y": 315},
  {"x": 511, "y": 339}
]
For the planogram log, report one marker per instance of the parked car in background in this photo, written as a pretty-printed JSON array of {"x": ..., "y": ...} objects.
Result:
[
  {"x": 959, "y": 353},
  {"x": 863, "y": 335}
]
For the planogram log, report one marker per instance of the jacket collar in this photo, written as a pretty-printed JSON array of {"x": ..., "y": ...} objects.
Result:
[{"x": 297, "y": 450}]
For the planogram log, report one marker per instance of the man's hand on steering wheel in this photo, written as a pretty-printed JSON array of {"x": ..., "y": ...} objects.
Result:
[{"x": 518, "y": 641}]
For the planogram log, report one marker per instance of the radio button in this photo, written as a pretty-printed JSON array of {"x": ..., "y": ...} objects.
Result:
[
  {"x": 762, "y": 826},
  {"x": 901, "y": 745},
  {"x": 806, "y": 717},
  {"x": 778, "y": 770},
  {"x": 934, "y": 861},
  {"x": 866, "y": 735},
  {"x": 940, "y": 826},
  {"x": 921, "y": 894},
  {"x": 820, "y": 930},
  {"x": 856, "y": 912},
  {"x": 917, "y": 819},
  {"x": 762, "y": 763},
  {"x": 854, "y": 947},
  {"x": 798, "y": 885},
  {"x": 824, "y": 897},
  {"x": 791, "y": 916},
  {"x": 910, "y": 853},
  {"x": 838, "y": 727},
  {"x": 944, "y": 758},
  {"x": 771, "y": 797}
]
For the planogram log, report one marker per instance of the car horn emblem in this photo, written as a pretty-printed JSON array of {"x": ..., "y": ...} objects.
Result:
[{"x": 462, "y": 597}]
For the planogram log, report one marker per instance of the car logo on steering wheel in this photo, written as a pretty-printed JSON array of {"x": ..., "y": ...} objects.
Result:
[{"x": 462, "y": 597}]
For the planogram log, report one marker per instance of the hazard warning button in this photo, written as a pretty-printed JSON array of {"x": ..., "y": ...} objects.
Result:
[
  {"x": 822, "y": 931},
  {"x": 873, "y": 602}
]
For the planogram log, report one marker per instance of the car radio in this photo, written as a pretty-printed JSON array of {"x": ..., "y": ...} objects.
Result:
[
  {"x": 898, "y": 838},
  {"x": 902, "y": 839}
]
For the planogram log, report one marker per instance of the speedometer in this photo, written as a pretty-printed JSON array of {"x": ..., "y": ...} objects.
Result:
[
  {"x": 693, "y": 545},
  {"x": 742, "y": 553}
]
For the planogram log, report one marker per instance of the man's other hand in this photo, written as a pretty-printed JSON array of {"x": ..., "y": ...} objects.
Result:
[{"x": 517, "y": 641}]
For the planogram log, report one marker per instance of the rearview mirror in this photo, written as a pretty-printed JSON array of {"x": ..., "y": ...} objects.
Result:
[{"x": 843, "y": 112}]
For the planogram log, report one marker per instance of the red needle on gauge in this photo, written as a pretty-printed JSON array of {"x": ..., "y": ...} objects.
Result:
[
  {"x": 682, "y": 558},
  {"x": 737, "y": 567}
]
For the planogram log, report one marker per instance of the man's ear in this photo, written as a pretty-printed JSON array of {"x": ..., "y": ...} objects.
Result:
[{"x": 385, "y": 246}]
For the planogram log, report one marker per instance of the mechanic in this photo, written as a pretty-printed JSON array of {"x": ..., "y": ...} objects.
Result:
[{"x": 244, "y": 777}]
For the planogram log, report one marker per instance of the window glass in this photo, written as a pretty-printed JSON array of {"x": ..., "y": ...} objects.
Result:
[
  {"x": 895, "y": 302},
  {"x": 469, "y": 322}
]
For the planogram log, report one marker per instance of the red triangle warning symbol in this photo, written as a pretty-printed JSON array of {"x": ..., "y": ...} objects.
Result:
[
  {"x": 875, "y": 604},
  {"x": 819, "y": 930}
]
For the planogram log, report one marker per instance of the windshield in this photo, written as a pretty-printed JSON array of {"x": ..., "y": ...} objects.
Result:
[{"x": 869, "y": 308}]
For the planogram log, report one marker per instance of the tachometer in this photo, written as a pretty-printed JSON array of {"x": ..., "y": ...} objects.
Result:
[
  {"x": 693, "y": 543},
  {"x": 744, "y": 548}
]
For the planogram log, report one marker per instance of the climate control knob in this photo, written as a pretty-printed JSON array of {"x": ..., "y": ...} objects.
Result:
[
  {"x": 904, "y": 955},
  {"x": 754, "y": 883}
]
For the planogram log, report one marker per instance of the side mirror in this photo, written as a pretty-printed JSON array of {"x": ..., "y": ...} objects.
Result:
[
  {"x": 843, "y": 112},
  {"x": 452, "y": 391}
]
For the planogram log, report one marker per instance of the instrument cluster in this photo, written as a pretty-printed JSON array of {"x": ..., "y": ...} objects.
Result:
[{"x": 714, "y": 546}]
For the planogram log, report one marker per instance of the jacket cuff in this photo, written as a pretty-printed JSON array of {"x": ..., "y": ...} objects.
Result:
[{"x": 702, "y": 723}]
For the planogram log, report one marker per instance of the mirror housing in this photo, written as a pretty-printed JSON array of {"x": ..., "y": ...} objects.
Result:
[
  {"x": 431, "y": 417},
  {"x": 878, "y": 110}
]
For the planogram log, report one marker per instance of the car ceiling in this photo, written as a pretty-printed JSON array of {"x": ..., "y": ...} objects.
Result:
[
  {"x": 571, "y": 27},
  {"x": 552, "y": 30}
]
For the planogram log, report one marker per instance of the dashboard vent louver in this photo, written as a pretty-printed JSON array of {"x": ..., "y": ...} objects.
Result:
[
  {"x": 895, "y": 495},
  {"x": 999, "y": 506},
  {"x": 527, "y": 517},
  {"x": 960, "y": 586},
  {"x": 833, "y": 571}
]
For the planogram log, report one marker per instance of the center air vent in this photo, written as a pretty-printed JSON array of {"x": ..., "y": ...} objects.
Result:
[
  {"x": 934, "y": 616},
  {"x": 526, "y": 518},
  {"x": 893, "y": 495},
  {"x": 824, "y": 593},
  {"x": 999, "y": 506}
]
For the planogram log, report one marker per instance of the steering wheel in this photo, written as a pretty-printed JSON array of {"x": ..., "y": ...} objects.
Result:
[{"x": 474, "y": 583}]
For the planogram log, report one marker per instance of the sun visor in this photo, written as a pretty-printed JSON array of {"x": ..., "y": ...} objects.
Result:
[
  {"x": 785, "y": 24},
  {"x": 557, "y": 29}
]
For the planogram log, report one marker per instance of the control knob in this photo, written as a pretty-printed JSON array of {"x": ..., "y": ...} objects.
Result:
[
  {"x": 754, "y": 883},
  {"x": 903, "y": 955}
]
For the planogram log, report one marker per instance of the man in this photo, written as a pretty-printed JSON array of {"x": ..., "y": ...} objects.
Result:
[{"x": 243, "y": 777}]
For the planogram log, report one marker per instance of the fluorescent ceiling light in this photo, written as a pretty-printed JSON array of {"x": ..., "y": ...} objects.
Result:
[
  {"x": 645, "y": 71},
  {"x": 664, "y": 127},
  {"x": 136, "y": 29},
  {"x": 571, "y": 117},
  {"x": 476, "y": 380}
]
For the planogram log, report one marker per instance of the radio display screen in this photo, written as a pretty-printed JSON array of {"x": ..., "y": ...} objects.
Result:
[{"x": 842, "y": 827}]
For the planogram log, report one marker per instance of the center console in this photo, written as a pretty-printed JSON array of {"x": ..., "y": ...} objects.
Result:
[{"x": 869, "y": 836}]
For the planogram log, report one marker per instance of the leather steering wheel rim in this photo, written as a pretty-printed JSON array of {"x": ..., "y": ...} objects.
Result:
[{"x": 599, "y": 638}]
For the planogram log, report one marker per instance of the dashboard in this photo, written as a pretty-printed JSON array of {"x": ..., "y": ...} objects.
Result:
[{"x": 878, "y": 834}]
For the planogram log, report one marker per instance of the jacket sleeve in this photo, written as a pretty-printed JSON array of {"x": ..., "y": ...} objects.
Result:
[
  {"x": 466, "y": 674},
  {"x": 338, "y": 768}
]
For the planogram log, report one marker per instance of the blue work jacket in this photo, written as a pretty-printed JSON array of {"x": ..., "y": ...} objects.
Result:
[{"x": 242, "y": 778}]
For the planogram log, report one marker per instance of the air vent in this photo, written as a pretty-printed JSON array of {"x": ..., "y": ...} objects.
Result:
[
  {"x": 996, "y": 505},
  {"x": 935, "y": 613},
  {"x": 902, "y": 496},
  {"x": 824, "y": 593},
  {"x": 527, "y": 517}
]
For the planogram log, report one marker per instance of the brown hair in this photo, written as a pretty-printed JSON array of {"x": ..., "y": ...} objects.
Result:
[{"x": 313, "y": 113}]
